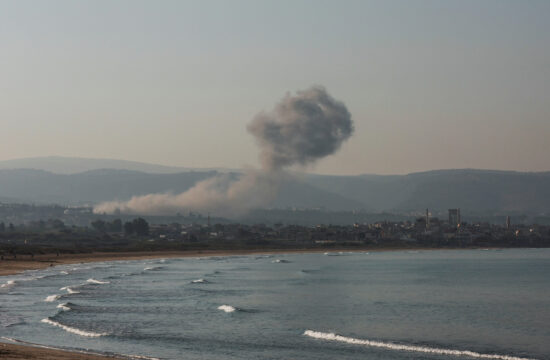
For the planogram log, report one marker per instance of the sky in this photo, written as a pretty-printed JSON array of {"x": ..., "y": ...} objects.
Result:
[{"x": 429, "y": 84}]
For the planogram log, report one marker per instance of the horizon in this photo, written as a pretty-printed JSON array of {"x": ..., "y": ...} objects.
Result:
[{"x": 182, "y": 168}]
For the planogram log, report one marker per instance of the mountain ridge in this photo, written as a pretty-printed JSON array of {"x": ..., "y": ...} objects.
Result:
[{"x": 479, "y": 190}]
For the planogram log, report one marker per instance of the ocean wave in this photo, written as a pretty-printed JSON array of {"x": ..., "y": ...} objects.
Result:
[
  {"x": 8, "y": 320},
  {"x": 199, "y": 281},
  {"x": 72, "y": 329},
  {"x": 64, "y": 307},
  {"x": 52, "y": 298},
  {"x": 339, "y": 253},
  {"x": 280, "y": 261},
  {"x": 227, "y": 308},
  {"x": 153, "y": 268},
  {"x": 71, "y": 291},
  {"x": 9, "y": 283},
  {"x": 98, "y": 282},
  {"x": 139, "y": 357},
  {"x": 64, "y": 272},
  {"x": 71, "y": 287},
  {"x": 411, "y": 348}
]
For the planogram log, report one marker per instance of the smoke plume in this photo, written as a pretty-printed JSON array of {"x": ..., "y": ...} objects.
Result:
[{"x": 300, "y": 130}]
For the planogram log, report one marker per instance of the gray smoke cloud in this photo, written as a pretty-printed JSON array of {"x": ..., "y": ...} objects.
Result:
[
  {"x": 300, "y": 130},
  {"x": 220, "y": 195}
]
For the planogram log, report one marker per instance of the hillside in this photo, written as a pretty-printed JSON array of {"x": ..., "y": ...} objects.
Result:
[
  {"x": 71, "y": 165},
  {"x": 474, "y": 190},
  {"x": 479, "y": 191},
  {"x": 26, "y": 185}
]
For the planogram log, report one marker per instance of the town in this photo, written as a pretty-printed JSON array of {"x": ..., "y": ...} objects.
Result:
[{"x": 52, "y": 229}]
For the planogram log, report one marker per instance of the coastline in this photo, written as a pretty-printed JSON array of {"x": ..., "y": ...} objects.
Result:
[
  {"x": 43, "y": 261},
  {"x": 10, "y": 351}
]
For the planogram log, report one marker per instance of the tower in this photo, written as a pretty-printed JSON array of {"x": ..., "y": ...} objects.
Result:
[
  {"x": 508, "y": 223},
  {"x": 427, "y": 219},
  {"x": 454, "y": 217}
]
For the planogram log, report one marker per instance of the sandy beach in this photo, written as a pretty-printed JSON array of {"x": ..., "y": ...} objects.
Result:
[
  {"x": 16, "y": 351},
  {"x": 11, "y": 266}
]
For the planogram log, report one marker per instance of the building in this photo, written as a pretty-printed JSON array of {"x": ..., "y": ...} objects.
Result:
[
  {"x": 427, "y": 220},
  {"x": 454, "y": 217}
]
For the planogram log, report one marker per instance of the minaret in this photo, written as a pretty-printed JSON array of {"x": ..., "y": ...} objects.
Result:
[{"x": 427, "y": 219}]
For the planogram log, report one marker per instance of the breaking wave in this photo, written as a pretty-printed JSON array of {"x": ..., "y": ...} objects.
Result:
[
  {"x": 227, "y": 308},
  {"x": 153, "y": 268},
  {"x": 401, "y": 347},
  {"x": 98, "y": 282},
  {"x": 199, "y": 281},
  {"x": 280, "y": 261},
  {"x": 64, "y": 307},
  {"x": 9, "y": 283},
  {"x": 52, "y": 298},
  {"x": 339, "y": 253},
  {"x": 72, "y": 329},
  {"x": 69, "y": 288}
]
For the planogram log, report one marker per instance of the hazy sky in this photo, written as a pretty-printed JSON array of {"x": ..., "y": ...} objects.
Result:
[{"x": 430, "y": 84}]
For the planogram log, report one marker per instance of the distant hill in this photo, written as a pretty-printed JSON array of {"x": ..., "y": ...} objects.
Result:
[
  {"x": 72, "y": 165},
  {"x": 28, "y": 185},
  {"x": 474, "y": 190},
  {"x": 56, "y": 180}
]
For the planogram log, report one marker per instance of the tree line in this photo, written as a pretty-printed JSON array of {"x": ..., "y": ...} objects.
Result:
[{"x": 139, "y": 226}]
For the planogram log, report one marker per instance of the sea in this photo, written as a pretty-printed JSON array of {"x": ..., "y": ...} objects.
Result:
[{"x": 433, "y": 304}]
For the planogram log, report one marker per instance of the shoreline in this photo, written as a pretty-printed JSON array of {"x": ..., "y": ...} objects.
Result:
[
  {"x": 42, "y": 261},
  {"x": 22, "y": 350}
]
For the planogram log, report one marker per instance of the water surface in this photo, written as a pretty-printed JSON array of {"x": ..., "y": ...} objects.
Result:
[{"x": 380, "y": 305}]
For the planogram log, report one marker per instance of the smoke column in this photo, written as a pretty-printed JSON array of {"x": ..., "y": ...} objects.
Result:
[{"x": 300, "y": 130}]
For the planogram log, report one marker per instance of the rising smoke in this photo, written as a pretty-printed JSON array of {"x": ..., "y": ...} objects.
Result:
[{"x": 300, "y": 130}]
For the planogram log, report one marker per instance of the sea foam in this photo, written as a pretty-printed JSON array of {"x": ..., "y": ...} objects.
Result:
[
  {"x": 401, "y": 347},
  {"x": 94, "y": 281},
  {"x": 52, "y": 298},
  {"x": 72, "y": 329},
  {"x": 280, "y": 261},
  {"x": 8, "y": 284},
  {"x": 226, "y": 308},
  {"x": 64, "y": 307}
]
